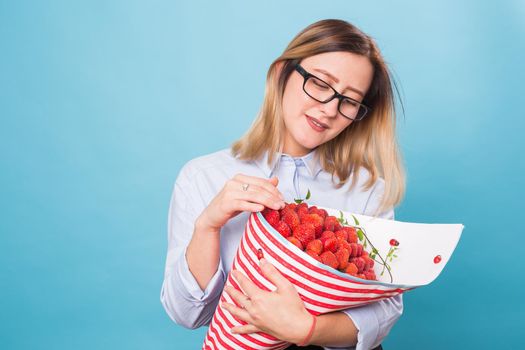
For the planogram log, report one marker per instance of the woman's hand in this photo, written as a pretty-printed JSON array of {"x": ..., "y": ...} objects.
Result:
[
  {"x": 280, "y": 313},
  {"x": 234, "y": 199}
]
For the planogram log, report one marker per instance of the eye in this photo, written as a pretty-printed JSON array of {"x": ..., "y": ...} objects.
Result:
[
  {"x": 349, "y": 103},
  {"x": 320, "y": 84}
]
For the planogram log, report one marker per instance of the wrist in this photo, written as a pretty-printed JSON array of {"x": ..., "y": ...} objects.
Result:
[
  {"x": 305, "y": 340},
  {"x": 307, "y": 330},
  {"x": 202, "y": 226}
]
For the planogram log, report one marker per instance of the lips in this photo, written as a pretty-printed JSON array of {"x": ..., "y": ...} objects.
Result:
[{"x": 316, "y": 124}]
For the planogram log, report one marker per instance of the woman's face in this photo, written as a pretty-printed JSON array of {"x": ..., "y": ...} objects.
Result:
[{"x": 348, "y": 73}]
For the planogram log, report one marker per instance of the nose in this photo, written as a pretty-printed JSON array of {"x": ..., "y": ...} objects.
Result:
[{"x": 330, "y": 109}]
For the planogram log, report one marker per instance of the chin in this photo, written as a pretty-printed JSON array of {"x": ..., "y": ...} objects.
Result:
[{"x": 308, "y": 145}]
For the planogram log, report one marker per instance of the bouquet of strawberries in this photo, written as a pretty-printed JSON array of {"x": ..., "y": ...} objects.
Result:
[
  {"x": 332, "y": 264},
  {"x": 323, "y": 237}
]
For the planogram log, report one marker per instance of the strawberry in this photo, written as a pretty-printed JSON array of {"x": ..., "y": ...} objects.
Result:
[
  {"x": 291, "y": 206},
  {"x": 359, "y": 262},
  {"x": 344, "y": 244},
  {"x": 321, "y": 212},
  {"x": 328, "y": 258},
  {"x": 331, "y": 224},
  {"x": 342, "y": 256},
  {"x": 315, "y": 220},
  {"x": 354, "y": 250},
  {"x": 291, "y": 218},
  {"x": 352, "y": 234},
  {"x": 370, "y": 275},
  {"x": 295, "y": 242},
  {"x": 342, "y": 234},
  {"x": 272, "y": 216},
  {"x": 302, "y": 208},
  {"x": 283, "y": 229},
  {"x": 316, "y": 246},
  {"x": 362, "y": 276},
  {"x": 325, "y": 235},
  {"x": 331, "y": 245},
  {"x": 304, "y": 233},
  {"x": 351, "y": 269},
  {"x": 313, "y": 255},
  {"x": 369, "y": 263},
  {"x": 359, "y": 249}
]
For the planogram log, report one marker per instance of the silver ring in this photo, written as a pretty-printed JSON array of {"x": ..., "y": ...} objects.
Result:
[{"x": 245, "y": 187}]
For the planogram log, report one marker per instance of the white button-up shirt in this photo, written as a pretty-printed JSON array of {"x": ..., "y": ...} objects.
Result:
[{"x": 202, "y": 178}]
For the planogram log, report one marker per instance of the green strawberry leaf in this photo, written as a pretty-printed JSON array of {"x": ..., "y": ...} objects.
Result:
[
  {"x": 341, "y": 219},
  {"x": 298, "y": 201},
  {"x": 360, "y": 234},
  {"x": 308, "y": 194},
  {"x": 356, "y": 221}
]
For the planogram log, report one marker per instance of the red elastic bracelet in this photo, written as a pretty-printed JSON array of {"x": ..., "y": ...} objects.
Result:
[{"x": 310, "y": 332}]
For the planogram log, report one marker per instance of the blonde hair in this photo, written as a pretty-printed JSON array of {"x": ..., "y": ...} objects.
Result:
[{"x": 370, "y": 143}]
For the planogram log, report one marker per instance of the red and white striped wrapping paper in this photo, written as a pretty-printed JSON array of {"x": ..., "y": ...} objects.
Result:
[{"x": 322, "y": 288}]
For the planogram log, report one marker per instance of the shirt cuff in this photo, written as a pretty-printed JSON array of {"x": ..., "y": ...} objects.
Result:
[
  {"x": 190, "y": 287},
  {"x": 366, "y": 322}
]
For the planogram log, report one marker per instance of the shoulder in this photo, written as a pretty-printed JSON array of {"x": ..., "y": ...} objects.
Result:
[
  {"x": 216, "y": 162},
  {"x": 364, "y": 176}
]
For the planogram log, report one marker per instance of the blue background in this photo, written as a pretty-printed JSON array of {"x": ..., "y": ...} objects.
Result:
[{"x": 102, "y": 102}]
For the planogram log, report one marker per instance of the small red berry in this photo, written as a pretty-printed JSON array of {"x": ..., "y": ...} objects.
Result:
[
  {"x": 304, "y": 233},
  {"x": 437, "y": 259},
  {"x": 283, "y": 229},
  {"x": 394, "y": 243},
  {"x": 329, "y": 258},
  {"x": 331, "y": 224},
  {"x": 331, "y": 244},
  {"x": 295, "y": 242},
  {"x": 351, "y": 269},
  {"x": 315, "y": 246},
  {"x": 272, "y": 216},
  {"x": 325, "y": 235},
  {"x": 260, "y": 254}
]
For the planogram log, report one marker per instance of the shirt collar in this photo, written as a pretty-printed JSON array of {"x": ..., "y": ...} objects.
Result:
[{"x": 311, "y": 161}]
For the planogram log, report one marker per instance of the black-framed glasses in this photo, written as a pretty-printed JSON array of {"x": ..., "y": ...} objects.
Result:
[{"x": 323, "y": 92}]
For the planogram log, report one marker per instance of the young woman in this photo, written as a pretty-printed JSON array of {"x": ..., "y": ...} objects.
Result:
[{"x": 327, "y": 124}]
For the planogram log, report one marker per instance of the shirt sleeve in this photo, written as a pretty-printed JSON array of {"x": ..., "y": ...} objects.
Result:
[
  {"x": 374, "y": 321},
  {"x": 181, "y": 296}
]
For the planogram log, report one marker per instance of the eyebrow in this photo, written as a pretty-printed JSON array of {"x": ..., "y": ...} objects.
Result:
[{"x": 337, "y": 80}]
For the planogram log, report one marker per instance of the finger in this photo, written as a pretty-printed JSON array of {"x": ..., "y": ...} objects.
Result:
[
  {"x": 245, "y": 329},
  {"x": 248, "y": 287},
  {"x": 249, "y": 206},
  {"x": 237, "y": 312},
  {"x": 239, "y": 297},
  {"x": 256, "y": 189},
  {"x": 259, "y": 197},
  {"x": 261, "y": 182},
  {"x": 277, "y": 279}
]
